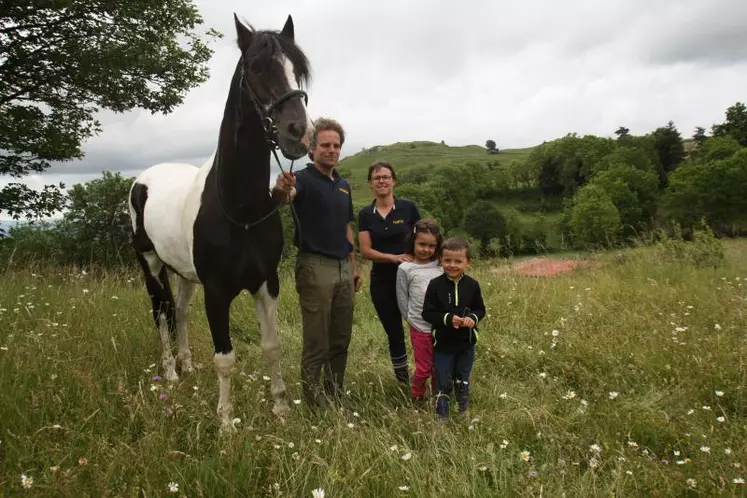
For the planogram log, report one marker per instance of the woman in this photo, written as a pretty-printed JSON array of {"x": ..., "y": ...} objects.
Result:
[{"x": 382, "y": 227}]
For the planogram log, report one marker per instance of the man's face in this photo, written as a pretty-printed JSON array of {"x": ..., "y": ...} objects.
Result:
[{"x": 327, "y": 150}]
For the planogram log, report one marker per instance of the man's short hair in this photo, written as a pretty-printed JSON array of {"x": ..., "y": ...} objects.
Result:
[{"x": 325, "y": 124}]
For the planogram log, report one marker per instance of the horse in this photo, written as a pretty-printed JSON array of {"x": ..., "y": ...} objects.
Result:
[{"x": 218, "y": 225}]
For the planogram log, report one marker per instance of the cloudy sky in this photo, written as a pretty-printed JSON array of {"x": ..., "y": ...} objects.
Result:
[{"x": 463, "y": 72}]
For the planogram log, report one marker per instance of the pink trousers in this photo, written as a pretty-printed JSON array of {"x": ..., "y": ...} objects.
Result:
[{"x": 422, "y": 348}]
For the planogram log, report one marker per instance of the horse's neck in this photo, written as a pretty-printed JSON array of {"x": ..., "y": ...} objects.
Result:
[{"x": 242, "y": 160}]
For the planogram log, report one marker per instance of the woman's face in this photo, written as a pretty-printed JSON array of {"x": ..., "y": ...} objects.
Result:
[{"x": 382, "y": 182}]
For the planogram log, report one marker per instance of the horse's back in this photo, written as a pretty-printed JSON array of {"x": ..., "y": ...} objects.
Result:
[{"x": 169, "y": 198}]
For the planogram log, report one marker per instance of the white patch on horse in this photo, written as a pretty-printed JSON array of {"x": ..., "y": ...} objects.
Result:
[
  {"x": 184, "y": 292},
  {"x": 223, "y": 365},
  {"x": 290, "y": 76},
  {"x": 266, "y": 308},
  {"x": 167, "y": 359}
]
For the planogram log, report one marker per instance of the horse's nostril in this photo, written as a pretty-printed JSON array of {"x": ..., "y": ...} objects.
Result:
[{"x": 296, "y": 129}]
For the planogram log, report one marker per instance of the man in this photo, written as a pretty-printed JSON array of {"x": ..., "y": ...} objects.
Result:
[{"x": 326, "y": 269}]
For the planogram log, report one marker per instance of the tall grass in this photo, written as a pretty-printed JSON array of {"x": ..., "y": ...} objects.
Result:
[{"x": 626, "y": 378}]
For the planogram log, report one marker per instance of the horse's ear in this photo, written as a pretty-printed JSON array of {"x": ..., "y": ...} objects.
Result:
[
  {"x": 243, "y": 34},
  {"x": 287, "y": 31}
]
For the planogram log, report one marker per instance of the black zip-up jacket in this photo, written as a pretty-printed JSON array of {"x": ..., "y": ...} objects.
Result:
[{"x": 446, "y": 298}]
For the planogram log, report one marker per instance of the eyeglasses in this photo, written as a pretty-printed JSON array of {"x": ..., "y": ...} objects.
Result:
[{"x": 381, "y": 178}]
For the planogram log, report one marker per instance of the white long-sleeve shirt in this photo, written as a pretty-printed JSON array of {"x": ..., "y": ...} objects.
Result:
[{"x": 412, "y": 282}]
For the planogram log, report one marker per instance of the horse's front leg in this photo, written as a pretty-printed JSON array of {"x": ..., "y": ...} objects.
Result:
[
  {"x": 217, "y": 307},
  {"x": 266, "y": 308}
]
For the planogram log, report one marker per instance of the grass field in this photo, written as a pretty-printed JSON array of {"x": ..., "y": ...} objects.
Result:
[{"x": 624, "y": 378}]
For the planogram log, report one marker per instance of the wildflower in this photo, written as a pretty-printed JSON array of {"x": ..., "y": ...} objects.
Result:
[
  {"x": 692, "y": 482},
  {"x": 393, "y": 448},
  {"x": 264, "y": 377},
  {"x": 27, "y": 481},
  {"x": 738, "y": 480},
  {"x": 676, "y": 453},
  {"x": 719, "y": 393},
  {"x": 705, "y": 449},
  {"x": 54, "y": 469},
  {"x": 355, "y": 414},
  {"x": 629, "y": 472},
  {"x": 595, "y": 448},
  {"x": 153, "y": 387},
  {"x": 503, "y": 395},
  {"x": 721, "y": 419},
  {"x": 633, "y": 445},
  {"x": 163, "y": 396},
  {"x": 297, "y": 401},
  {"x": 318, "y": 441},
  {"x": 569, "y": 395},
  {"x": 727, "y": 451},
  {"x": 613, "y": 394},
  {"x": 291, "y": 445},
  {"x": 690, "y": 411},
  {"x": 236, "y": 421},
  {"x": 86, "y": 291},
  {"x": 351, "y": 425},
  {"x": 404, "y": 488},
  {"x": 407, "y": 456},
  {"x": 317, "y": 493},
  {"x": 717, "y": 326},
  {"x": 167, "y": 411},
  {"x": 593, "y": 462},
  {"x": 525, "y": 455},
  {"x": 296, "y": 456},
  {"x": 706, "y": 407},
  {"x": 543, "y": 375},
  {"x": 156, "y": 378},
  {"x": 482, "y": 468},
  {"x": 173, "y": 487},
  {"x": 555, "y": 333}
]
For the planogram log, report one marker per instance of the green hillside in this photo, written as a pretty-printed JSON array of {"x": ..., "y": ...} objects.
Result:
[{"x": 404, "y": 156}]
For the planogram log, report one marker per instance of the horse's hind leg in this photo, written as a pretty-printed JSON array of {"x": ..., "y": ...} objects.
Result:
[
  {"x": 266, "y": 307},
  {"x": 157, "y": 283},
  {"x": 184, "y": 292}
]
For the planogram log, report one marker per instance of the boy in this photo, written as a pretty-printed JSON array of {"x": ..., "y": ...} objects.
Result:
[{"x": 453, "y": 306}]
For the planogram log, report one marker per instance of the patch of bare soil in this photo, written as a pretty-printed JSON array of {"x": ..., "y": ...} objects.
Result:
[{"x": 543, "y": 267}]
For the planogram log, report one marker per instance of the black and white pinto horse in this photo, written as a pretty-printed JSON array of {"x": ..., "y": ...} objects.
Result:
[{"x": 217, "y": 225}]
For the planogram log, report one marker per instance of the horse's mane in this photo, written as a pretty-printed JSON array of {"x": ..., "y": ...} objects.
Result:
[{"x": 268, "y": 44}]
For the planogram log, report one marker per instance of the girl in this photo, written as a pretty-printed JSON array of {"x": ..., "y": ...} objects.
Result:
[{"x": 423, "y": 244}]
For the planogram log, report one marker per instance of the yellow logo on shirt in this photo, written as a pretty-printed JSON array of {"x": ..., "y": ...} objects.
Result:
[
  {"x": 344, "y": 191},
  {"x": 397, "y": 222}
]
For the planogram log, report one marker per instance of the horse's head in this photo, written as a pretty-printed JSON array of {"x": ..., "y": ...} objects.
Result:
[{"x": 274, "y": 69}]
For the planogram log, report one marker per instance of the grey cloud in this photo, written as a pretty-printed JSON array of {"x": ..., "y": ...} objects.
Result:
[{"x": 519, "y": 73}]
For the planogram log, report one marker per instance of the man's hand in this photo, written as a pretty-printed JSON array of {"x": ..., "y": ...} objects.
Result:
[
  {"x": 456, "y": 321},
  {"x": 468, "y": 322},
  {"x": 286, "y": 183},
  {"x": 357, "y": 282}
]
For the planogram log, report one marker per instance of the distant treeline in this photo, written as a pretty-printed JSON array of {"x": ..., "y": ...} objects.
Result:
[{"x": 571, "y": 193}]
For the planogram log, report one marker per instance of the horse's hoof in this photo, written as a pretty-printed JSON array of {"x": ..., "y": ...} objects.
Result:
[
  {"x": 227, "y": 427},
  {"x": 187, "y": 368},
  {"x": 281, "y": 408},
  {"x": 172, "y": 377}
]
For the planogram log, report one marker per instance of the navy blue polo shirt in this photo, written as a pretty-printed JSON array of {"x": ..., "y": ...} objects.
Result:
[
  {"x": 325, "y": 207},
  {"x": 388, "y": 234}
]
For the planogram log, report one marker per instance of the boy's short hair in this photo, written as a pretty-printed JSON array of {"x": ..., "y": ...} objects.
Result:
[{"x": 456, "y": 244}]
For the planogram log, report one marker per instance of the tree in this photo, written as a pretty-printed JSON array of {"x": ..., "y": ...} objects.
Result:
[
  {"x": 61, "y": 62},
  {"x": 483, "y": 221},
  {"x": 594, "y": 219},
  {"x": 699, "y": 137},
  {"x": 490, "y": 145},
  {"x": 622, "y": 133},
  {"x": 671, "y": 149},
  {"x": 735, "y": 125}
]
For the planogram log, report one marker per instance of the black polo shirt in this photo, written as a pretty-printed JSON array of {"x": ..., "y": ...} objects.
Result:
[
  {"x": 388, "y": 234},
  {"x": 324, "y": 207}
]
